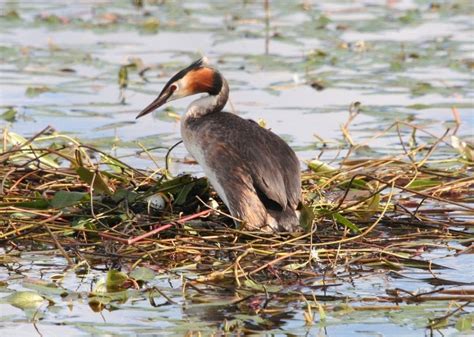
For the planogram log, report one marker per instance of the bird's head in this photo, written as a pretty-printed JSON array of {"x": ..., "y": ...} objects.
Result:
[{"x": 197, "y": 78}]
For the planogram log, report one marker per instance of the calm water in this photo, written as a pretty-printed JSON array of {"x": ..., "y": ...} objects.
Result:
[{"x": 403, "y": 60}]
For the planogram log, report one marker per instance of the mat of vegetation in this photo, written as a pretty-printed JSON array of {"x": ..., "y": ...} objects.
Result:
[{"x": 363, "y": 217}]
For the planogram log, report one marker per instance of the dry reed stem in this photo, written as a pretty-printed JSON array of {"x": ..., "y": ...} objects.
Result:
[{"x": 414, "y": 218}]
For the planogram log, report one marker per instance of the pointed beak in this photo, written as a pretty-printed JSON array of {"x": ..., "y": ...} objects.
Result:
[{"x": 162, "y": 99}]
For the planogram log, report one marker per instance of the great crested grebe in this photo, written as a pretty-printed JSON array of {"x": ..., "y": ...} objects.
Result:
[{"x": 254, "y": 172}]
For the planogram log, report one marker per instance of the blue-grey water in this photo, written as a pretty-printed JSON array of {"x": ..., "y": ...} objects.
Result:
[{"x": 403, "y": 60}]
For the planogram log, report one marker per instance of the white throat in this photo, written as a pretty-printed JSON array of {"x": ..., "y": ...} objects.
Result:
[
  {"x": 210, "y": 103},
  {"x": 202, "y": 106}
]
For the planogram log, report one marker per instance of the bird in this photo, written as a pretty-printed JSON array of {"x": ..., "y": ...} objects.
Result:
[{"x": 255, "y": 172}]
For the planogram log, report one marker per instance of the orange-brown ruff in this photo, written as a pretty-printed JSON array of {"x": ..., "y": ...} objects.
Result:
[{"x": 255, "y": 173}]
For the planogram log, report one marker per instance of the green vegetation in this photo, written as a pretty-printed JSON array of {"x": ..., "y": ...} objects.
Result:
[{"x": 369, "y": 216}]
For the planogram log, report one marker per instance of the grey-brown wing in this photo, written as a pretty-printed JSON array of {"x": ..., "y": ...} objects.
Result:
[
  {"x": 272, "y": 165},
  {"x": 276, "y": 170}
]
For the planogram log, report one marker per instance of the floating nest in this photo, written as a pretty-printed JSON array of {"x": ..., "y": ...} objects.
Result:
[{"x": 362, "y": 216}]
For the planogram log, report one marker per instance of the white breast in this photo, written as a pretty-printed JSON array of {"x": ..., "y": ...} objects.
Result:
[{"x": 198, "y": 154}]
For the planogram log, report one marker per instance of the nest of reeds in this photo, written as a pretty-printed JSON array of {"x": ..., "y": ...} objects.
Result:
[{"x": 361, "y": 217}]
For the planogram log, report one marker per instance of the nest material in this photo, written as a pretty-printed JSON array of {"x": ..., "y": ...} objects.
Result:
[{"x": 364, "y": 216}]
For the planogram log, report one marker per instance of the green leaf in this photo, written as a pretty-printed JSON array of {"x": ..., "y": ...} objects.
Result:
[
  {"x": 123, "y": 194},
  {"x": 261, "y": 287},
  {"x": 420, "y": 264},
  {"x": 35, "y": 91},
  {"x": 295, "y": 266},
  {"x": 12, "y": 15},
  {"x": 34, "y": 204},
  {"x": 9, "y": 115},
  {"x": 114, "y": 164},
  {"x": 183, "y": 194},
  {"x": 320, "y": 167},
  {"x": 439, "y": 324},
  {"x": 322, "y": 21},
  {"x": 143, "y": 274},
  {"x": 65, "y": 199},
  {"x": 100, "y": 185},
  {"x": 418, "y": 106},
  {"x": 322, "y": 312},
  {"x": 343, "y": 309},
  {"x": 357, "y": 184},
  {"x": 174, "y": 185},
  {"x": 464, "y": 323},
  {"x": 44, "y": 288},
  {"x": 15, "y": 139},
  {"x": 465, "y": 149},
  {"x": 410, "y": 16},
  {"x": 25, "y": 300},
  {"x": 421, "y": 88},
  {"x": 420, "y": 184},
  {"x": 306, "y": 217},
  {"x": 123, "y": 77},
  {"x": 98, "y": 303},
  {"x": 151, "y": 25},
  {"x": 113, "y": 126},
  {"x": 115, "y": 280},
  {"x": 339, "y": 218},
  {"x": 372, "y": 207}
]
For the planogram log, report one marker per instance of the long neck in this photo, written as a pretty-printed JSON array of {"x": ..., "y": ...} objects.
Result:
[{"x": 209, "y": 104}]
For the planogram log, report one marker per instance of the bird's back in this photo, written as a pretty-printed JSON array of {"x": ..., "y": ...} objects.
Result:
[{"x": 244, "y": 162}]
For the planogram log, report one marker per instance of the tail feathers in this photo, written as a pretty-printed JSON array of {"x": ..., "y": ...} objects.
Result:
[{"x": 286, "y": 220}]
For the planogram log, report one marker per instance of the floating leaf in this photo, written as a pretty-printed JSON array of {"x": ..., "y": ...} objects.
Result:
[
  {"x": 322, "y": 21},
  {"x": 464, "y": 323},
  {"x": 151, "y": 24},
  {"x": 35, "y": 91},
  {"x": 343, "y": 309},
  {"x": 138, "y": 3},
  {"x": 25, "y": 300},
  {"x": 143, "y": 274},
  {"x": 11, "y": 15},
  {"x": 411, "y": 16},
  {"x": 466, "y": 150},
  {"x": 123, "y": 77},
  {"x": 115, "y": 280},
  {"x": 113, "y": 126},
  {"x": 261, "y": 287},
  {"x": 322, "y": 312},
  {"x": 9, "y": 115},
  {"x": 44, "y": 288},
  {"x": 421, "y": 88},
  {"x": 438, "y": 323},
  {"x": 98, "y": 303},
  {"x": 15, "y": 139},
  {"x": 65, "y": 199}
]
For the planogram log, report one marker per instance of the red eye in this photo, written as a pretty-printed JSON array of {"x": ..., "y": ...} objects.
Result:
[{"x": 173, "y": 88}]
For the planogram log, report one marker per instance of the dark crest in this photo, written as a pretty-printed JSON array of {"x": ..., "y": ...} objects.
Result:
[{"x": 193, "y": 66}]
